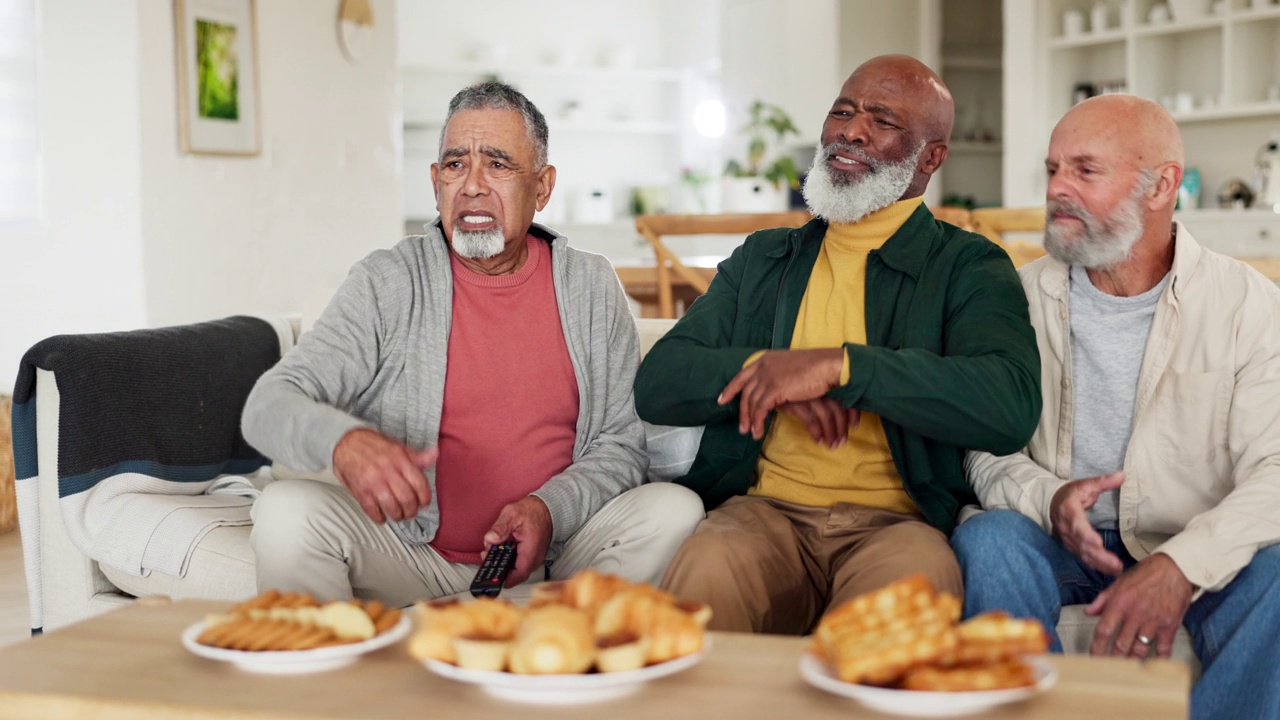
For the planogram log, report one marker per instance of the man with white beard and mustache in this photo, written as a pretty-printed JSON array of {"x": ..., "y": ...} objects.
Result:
[
  {"x": 840, "y": 370},
  {"x": 470, "y": 386},
  {"x": 1151, "y": 488}
]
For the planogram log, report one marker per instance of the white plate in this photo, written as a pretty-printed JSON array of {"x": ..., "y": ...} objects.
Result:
[
  {"x": 565, "y": 689},
  {"x": 294, "y": 661},
  {"x": 927, "y": 704}
]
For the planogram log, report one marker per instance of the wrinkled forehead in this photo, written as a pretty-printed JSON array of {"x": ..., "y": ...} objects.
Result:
[
  {"x": 489, "y": 127},
  {"x": 1087, "y": 136}
]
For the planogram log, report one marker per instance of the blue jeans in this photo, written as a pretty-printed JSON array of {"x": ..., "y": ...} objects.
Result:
[{"x": 1010, "y": 563}]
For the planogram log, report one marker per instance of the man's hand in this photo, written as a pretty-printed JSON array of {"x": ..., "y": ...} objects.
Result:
[
  {"x": 1149, "y": 601},
  {"x": 385, "y": 477},
  {"x": 1071, "y": 523},
  {"x": 827, "y": 421},
  {"x": 528, "y": 522},
  {"x": 779, "y": 377}
]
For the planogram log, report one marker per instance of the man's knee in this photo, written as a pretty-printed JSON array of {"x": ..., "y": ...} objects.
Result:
[
  {"x": 285, "y": 515},
  {"x": 992, "y": 534},
  {"x": 674, "y": 509}
]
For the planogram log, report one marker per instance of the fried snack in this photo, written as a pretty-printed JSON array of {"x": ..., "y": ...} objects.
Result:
[
  {"x": 1001, "y": 675},
  {"x": 587, "y": 590},
  {"x": 295, "y": 621},
  {"x": 881, "y": 657},
  {"x": 621, "y": 653},
  {"x": 481, "y": 653},
  {"x": 647, "y": 612},
  {"x": 554, "y": 639},
  {"x": 442, "y": 622},
  {"x": 908, "y": 602},
  {"x": 265, "y": 634},
  {"x": 993, "y": 637}
]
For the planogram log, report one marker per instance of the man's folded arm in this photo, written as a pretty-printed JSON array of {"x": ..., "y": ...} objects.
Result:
[
  {"x": 292, "y": 415},
  {"x": 983, "y": 392},
  {"x": 615, "y": 461},
  {"x": 682, "y": 375},
  {"x": 1012, "y": 482}
]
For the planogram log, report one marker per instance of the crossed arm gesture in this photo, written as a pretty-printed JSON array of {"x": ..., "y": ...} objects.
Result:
[{"x": 796, "y": 382}]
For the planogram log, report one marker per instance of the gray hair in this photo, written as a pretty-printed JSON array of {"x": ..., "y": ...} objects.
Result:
[{"x": 495, "y": 95}]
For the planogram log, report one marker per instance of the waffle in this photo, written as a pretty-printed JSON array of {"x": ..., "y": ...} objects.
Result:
[{"x": 905, "y": 635}]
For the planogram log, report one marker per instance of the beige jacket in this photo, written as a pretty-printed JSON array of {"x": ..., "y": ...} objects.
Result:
[{"x": 1202, "y": 471}]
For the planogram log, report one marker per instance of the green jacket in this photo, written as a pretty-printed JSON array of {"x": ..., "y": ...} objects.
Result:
[{"x": 950, "y": 362}]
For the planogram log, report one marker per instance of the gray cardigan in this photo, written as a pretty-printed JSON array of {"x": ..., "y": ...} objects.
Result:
[{"x": 377, "y": 357}]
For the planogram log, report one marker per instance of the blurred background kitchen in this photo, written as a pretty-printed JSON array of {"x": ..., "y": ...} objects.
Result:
[{"x": 656, "y": 107}]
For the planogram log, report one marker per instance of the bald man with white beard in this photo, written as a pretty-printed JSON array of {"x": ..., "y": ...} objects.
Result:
[{"x": 1151, "y": 488}]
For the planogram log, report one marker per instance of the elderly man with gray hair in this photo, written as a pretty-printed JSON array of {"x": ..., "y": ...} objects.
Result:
[
  {"x": 468, "y": 387},
  {"x": 1151, "y": 487}
]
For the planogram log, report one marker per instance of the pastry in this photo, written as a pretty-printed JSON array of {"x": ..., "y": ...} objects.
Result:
[{"x": 554, "y": 639}]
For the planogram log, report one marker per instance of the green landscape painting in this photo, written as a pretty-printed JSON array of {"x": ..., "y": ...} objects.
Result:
[{"x": 217, "y": 70}]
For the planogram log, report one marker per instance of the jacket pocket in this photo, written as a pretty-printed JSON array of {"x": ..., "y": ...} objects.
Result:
[{"x": 1190, "y": 413}]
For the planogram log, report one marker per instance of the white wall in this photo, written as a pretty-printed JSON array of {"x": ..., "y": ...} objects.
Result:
[
  {"x": 262, "y": 234},
  {"x": 136, "y": 234},
  {"x": 785, "y": 53},
  {"x": 82, "y": 272}
]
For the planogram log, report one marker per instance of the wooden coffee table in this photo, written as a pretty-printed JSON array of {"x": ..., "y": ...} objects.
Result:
[{"x": 129, "y": 663}]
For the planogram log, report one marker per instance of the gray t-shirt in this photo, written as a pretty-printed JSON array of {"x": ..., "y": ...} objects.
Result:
[{"x": 1108, "y": 340}]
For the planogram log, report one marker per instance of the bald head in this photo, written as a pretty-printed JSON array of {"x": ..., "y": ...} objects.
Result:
[
  {"x": 924, "y": 93},
  {"x": 1136, "y": 129}
]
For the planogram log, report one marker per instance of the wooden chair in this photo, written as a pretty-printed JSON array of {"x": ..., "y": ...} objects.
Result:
[
  {"x": 957, "y": 216},
  {"x": 995, "y": 222},
  {"x": 670, "y": 272}
]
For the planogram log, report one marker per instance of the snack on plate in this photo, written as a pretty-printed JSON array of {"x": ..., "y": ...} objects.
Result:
[
  {"x": 1001, "y": 675},
  {"x": 553, "y": 640},
  {"x": 441, "y": 622},
  {"x": 295, "y": 621},
  {"x": 905, "y": 635},
  {"x": 591, "y": 620}
]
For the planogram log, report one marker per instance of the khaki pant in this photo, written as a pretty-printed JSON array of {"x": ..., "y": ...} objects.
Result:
[
  {"x": 312, "y": 536},
  {"x": 770, "y": 566}
]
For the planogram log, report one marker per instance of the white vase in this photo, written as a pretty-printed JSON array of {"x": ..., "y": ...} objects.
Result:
[{"x": 752, "y": 195}]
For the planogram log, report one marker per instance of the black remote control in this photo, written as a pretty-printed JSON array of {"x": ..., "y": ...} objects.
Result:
[{"x": 494, "y": 570}]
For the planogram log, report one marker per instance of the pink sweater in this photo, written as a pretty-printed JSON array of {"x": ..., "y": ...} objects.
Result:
[{"x": 510, "y": 399}]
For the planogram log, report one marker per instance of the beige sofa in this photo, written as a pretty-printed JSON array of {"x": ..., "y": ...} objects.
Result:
[{"x": 74, "y": 586}]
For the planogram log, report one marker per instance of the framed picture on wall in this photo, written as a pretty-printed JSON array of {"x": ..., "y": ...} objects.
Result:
[{"x": 217, "y": 77}]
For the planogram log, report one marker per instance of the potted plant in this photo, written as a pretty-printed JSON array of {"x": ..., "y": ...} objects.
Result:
[{"x": 761, "y": 184}]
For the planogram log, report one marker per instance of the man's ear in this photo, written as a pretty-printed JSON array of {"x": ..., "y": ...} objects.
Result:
[
  {"x": 932, "y": 158},
  {"x": 546, "y": 183},
  {"x": 1165, "y": 191}
]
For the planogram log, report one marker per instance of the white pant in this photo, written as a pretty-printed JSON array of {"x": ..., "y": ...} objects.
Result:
[{"x": 314, "y": 537}]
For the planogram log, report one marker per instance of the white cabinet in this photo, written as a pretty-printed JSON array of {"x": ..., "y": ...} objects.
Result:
[
  {"x": 1238, "y": 233},
  {"x": 972, "y": 69}
]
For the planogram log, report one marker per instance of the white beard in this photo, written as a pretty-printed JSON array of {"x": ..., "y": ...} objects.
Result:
[
  {"x": 478, "y": 244},
  {"x": 1096, "y": 244},
  {"x": 839, "y": 199}
]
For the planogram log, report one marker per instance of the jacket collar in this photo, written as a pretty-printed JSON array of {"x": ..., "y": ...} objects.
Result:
[
  {"x": 1186, "y": 256},
  {"x": 905, "y": 251}
]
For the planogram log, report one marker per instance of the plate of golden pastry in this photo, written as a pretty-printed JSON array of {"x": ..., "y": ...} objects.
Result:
[
  {"x": 902, "y": 650},
  {"x": 294, "y": 633},
  {"x": 589, "y": 638}
]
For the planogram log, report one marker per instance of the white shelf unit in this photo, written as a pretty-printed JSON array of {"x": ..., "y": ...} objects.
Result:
[
  {"x": 1228, "y": 62},
  {"x": 973, "y": 69},
  {"x": 611, "y": 128},
  {"x": 1218, "y": 72}
]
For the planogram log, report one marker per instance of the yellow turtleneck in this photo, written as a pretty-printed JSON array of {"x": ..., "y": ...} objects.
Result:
[{"x": 794, "y": 468}]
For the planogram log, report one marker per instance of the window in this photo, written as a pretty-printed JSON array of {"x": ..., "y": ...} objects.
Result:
[{"x": 19, "y": 117}]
